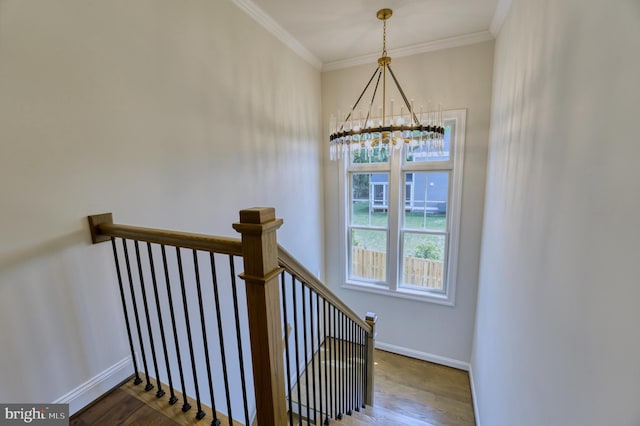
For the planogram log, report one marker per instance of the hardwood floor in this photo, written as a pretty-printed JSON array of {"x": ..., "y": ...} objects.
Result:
[
  {"x": 427, "y": 392},
  {"x": 408, "y": 392}
]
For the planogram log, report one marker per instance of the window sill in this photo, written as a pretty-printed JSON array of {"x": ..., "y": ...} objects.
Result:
[{"x": 401, "y": 293}]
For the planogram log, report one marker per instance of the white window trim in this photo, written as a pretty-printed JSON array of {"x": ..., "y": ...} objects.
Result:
[{"x": 447, "y": 298}]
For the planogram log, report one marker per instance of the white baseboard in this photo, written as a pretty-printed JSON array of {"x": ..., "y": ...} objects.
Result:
[
  {"x": 412, "y": 353},
  {"x": 474, "y": 396},
  {"x": 95, "y": 387}
]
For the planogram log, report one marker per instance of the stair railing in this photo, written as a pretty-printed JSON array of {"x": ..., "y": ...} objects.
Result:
[
  {"x": 329, "y": 355},
  {"x": 341, "y": 375}
]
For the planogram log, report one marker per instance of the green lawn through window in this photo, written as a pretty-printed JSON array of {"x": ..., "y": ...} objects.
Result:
[{"x": 376, "y": 240}]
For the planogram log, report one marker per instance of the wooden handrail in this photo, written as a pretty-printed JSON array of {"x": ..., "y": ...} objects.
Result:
[
  {"x": 103, "y": 228},
  {"x": 288, "y": 262}
]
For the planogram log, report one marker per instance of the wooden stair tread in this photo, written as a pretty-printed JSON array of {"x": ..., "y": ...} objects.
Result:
[{"x": 174, "y": 411}]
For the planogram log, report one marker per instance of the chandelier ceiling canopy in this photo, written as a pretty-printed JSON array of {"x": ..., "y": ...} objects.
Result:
[{"x": 386, "y": 130}]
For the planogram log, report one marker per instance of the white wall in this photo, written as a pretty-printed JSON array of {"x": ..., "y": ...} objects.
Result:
[
  {"x": 168, "y": 114},
  {"x": 556, "y": 339},
  {"x": 459, "y": 78}
]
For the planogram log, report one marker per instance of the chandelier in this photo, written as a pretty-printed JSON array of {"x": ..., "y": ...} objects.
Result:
[{"x": 385, "y": 132}]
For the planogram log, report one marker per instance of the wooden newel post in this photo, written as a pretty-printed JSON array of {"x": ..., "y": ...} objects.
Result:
[
  {"x": 261, "y": 272},
  {"x": 371, "y": 318}
]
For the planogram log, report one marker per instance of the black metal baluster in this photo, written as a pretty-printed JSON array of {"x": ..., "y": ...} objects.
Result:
[
  {"x": 146, "y": 313},
  {"x": 306, "y": 352},
  {"x": 336, "y": 340},
  {"x": 137, "y": 380},
  {"x": 200, "y": 414},
  {"x": 350, "y": 364},
  {"x": 174, "y": 399},
  {"x": 313, "y": 356},
  {"x": 354, "y": 372},
  {"x": 319, "y": 354},
  {"x": 286, "y": 346},
  {"x": 221, "y": 337},
  {"x": 239, "y": 338},
  {"x": 346, "y": 321},
  {"x": 362, "y": 367},
  {"x": 343, "y": 391},
  {"x": 327, "y": 375},
  {"x": 357, "y": 372},
  {"x": 365, "y": 366},
  {"x": 341, "y": 371},
  {"x": 214, "y": 412},
  {"x": 331, "y": 365},
  {"x": 347, "y": 365},
  {"x": 295, "y": 340},
  {"x": 149, "y": 386},
  {"x": 160, "y": 392},
  {"x": 338, "y": 359},
  {"x": 335, "y": 366},
  {"x": 358, "y": 369}
]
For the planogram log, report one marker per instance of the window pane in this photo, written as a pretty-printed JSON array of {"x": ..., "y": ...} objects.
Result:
[
  {"x": 426, "y": 200},
  {"x": 431, "y": 150},
  {"x": 423, "y": 260},
  {"x": 362, "y": 155},
  {"x": 369, "y": 199},
  {"x": 369, "y": 254}
]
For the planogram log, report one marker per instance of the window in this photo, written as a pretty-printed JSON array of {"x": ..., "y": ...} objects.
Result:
[{"x": 402, "y": 216}]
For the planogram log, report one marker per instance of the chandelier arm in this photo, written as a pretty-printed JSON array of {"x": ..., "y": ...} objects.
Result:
[
  {"x": 373, "y": 97},
  {"x": 404, "y": 97},
  {"x": 359, "y": 98}
]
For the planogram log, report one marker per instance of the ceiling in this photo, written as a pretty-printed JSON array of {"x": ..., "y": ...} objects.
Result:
[{"x": 334, "y": 33}]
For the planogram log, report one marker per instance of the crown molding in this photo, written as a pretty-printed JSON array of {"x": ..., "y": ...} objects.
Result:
[
  {"x": 430, "y": 46},
  {"x": 502, "y": 9},
  {"x": 267, "y": 22}
]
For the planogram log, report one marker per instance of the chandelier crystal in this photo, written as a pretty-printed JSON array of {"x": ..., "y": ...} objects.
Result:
[{"x": 385, "y": 132}]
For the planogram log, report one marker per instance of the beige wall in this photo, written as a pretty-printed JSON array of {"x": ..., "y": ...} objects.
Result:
[
  {"x": 167, "y": 113},
  {"x": 459, "y": 78},
  {"x": 556, "y": 339}
]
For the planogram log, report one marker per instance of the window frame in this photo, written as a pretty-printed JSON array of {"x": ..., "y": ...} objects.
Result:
[{"x": 396, "y": 168}]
